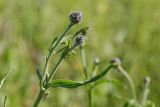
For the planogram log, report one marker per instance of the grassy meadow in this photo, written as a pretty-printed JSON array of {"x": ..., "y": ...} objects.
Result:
[{"x": 128, "y": 29}]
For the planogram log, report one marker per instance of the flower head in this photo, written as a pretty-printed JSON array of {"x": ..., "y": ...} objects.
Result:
[
  {"x": 79, "y": 40},
  {"x": 147, "y": 80},
  {"x": 116, "y": 61},
  {"x": 76, "y": 17}
]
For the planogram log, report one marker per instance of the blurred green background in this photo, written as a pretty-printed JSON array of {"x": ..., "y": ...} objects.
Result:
[{"x": 129, "y": 29}]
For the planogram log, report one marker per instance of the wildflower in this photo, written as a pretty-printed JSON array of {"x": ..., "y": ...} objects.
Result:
[
  {"x": 79, "y": 40},
  {"x": 115, "y": 61},
  {"x": 147, "y": 80},
  {"x": 76, "y": 17}
]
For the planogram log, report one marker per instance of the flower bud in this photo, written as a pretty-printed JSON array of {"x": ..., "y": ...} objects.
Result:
[
  {"x": 115, "y": 61},
  {"x": 76, "y": 17},
  {"x": 96, "y": 61},
  {"x": 79, "y": 40},
  {"x": 147, "y": 80}
]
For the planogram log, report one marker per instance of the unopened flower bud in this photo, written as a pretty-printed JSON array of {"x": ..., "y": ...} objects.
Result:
[
  {"x": 96, "y": 61},
  {"x": 76, "y": 17},
  {"x": 79, "y": 40},
  {"x": 115, "y": 61},
  {"x": 147, "y": 80}
]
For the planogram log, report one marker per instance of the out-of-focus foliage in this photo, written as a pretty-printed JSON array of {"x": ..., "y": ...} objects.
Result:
[{"x": 129, "y": 29}]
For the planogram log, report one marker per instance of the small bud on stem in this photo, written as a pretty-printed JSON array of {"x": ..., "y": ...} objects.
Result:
[
  {"x": 79, "y": 40},
  {"x": 76, "y": 17},
  {"x": 116, "y": 61},
  {"x": 147, "y": 80}
]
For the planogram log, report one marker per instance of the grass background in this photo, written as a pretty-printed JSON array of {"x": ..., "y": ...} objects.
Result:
[{"x": 129, "y": 29}]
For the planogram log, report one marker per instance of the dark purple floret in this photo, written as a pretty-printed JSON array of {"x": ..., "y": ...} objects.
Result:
[
  {"x": 115, "y": 61},
  {"x": 76, "y": 17},
  {"x": 79, "y": 40}
]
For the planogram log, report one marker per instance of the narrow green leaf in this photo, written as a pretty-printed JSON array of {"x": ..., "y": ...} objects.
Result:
[
  {"x": 65, "y": 39},
  {"x": 114, "y": 82},
  {"x": 74, "y": 84},
  {"x": 53, "y": 43},
  {"x": 4, "y": 78},
  {"x": 95, "y": 78},
  {"x": 65, "y": 83},
  {"x": 80, "y": 31},
  {"x": 39, "y": 74}
]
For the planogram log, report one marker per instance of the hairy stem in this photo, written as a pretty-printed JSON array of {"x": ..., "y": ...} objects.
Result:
[
  {"x": 90, "y": 97},
  {"x": 55, "y": 68},
  {"x": 129, "y": 80},
  {"x": 145, "y": 93},
  {"x": 84, "y": 62},
  {"x": 39, "y": 98},
  {"x": 5, "y": 101},
  {"x": 52, "y": 50}
]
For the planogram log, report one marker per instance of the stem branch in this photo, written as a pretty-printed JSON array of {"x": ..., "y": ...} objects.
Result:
[
  {"x": 84, "y": 62},
  {"x": 52, "y": 50},
  {"x": 129, "y": 80},
  {"x": 39, "y": 98}
]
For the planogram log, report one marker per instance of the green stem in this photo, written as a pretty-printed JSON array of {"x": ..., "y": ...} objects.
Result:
[
  {"x": 129, "y": 80},
  {"x": 145, "y": 93},
  {"x": 39, "y": 98},
  {"x": 84, "y": 62},
  {"x": 55, "y": 68},
  {"x": 52, "y": 51},
  {"x": 42, "y": 92},
  {"x": 43, "y": 84},
  {"x": 5, "y": 100},
  {"x": 90, "y": 97}
]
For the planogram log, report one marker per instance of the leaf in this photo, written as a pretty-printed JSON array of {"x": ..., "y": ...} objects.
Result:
[
  {"x": 65, "y": 83},
  {"x": 74, "y": 84},
  {"x": 114, "y": 82},
  {"x": 99, "y": 75},
  {"x": 53, "y": 43},
  {"x": 80, "y": 31},
  {"x": 60, "y": 50},
  {"x": 65, "y": 39},
  {"x": 39, "y": 74},
  {"x": 4, "y": 78}
]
